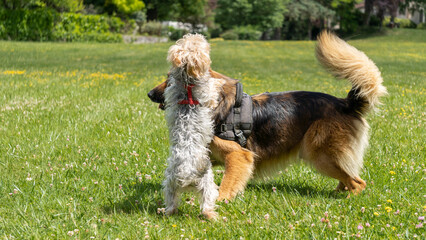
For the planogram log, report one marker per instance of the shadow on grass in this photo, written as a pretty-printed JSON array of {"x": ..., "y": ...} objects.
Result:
[
  {"x": 145, "y": 197},
  {"x": 298, "y": 189}
]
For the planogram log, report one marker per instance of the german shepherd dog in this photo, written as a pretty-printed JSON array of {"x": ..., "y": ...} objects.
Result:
[{"x": 329, "y": 133}]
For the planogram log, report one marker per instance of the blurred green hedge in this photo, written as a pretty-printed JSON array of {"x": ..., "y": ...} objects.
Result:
[
  {"x": 48, "y": 25},
  {"x": 28, "y": 25},
  {"x": 400, "y": 22}
]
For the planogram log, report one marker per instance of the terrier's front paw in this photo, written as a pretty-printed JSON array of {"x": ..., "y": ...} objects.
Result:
[
  {"x": 211, "y": 215},
  {"x": 171, "y": 211}
]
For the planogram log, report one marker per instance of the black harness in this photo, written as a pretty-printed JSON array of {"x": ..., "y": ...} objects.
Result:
[{"x": 239, "y": 122}]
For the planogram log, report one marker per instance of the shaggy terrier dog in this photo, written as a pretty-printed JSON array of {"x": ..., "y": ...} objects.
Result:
[
  {"x": 329, "y": 133},
  {"x": 190, "y": 97}
]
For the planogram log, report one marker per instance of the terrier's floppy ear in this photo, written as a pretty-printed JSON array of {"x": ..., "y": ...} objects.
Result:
[{"x": 192, "y": 52}]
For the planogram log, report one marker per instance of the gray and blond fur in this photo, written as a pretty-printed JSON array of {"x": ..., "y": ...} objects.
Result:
[{"x": 190, "y": 126}]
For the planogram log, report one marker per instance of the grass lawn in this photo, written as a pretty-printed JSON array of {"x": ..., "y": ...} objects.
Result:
[{"x": 83, "y": 150}]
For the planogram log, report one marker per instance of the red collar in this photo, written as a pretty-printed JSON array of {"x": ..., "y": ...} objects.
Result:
[{"x": 189, "y": 101}]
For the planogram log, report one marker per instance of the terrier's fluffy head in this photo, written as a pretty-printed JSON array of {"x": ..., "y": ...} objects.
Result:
[{"x": 191, "y": 54}]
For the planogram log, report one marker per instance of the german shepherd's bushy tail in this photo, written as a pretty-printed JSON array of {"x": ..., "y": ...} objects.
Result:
[{"x": 346, "y": 62}]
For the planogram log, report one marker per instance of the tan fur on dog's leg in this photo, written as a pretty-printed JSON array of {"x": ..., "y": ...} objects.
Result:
[
  {"x": 238, "y": 170},
  {"x": 327, "y": 166},
  {"x": 239, "y": 165}
]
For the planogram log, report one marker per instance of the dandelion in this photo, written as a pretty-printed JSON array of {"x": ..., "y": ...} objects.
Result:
[
  {"x": 388, "y": 209},
  {"x": 174, "y": 225}
]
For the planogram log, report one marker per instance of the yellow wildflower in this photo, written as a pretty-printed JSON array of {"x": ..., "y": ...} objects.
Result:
[
  {"x": 388, "y": 209},
  {"x": 376, "y": 214},
  {"x": 389, "y": 201},
  {"x": 392, "y": 172},
  {"x": 13, "y": 72},
  {"x": 174, "y": 225}
]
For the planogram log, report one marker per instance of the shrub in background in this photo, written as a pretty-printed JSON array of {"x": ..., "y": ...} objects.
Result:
[
  {"x": 247, "y": 33},
  {"x": 28, "y": 25},
  {"x": 175, "y": 34},
  {"x": 421, "y": 26},
  {"x": 229, "y": 35},
  {"x": 399, "y": 22},
  {"x": 75, "y": 27},
  {"x": 152, "y": 28}
]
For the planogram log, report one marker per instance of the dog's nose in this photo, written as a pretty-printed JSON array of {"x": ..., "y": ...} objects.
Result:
[{"x": 151, "y": 94}]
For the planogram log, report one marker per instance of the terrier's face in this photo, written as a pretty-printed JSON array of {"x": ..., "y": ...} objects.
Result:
[{"x": 190, "y": 57}]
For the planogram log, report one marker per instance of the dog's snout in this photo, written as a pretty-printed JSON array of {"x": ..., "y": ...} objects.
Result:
[{"x": 151, "y": 94}]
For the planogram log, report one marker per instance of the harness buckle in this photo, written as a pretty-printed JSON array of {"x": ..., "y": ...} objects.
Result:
[{"x": 241, "y": 139}]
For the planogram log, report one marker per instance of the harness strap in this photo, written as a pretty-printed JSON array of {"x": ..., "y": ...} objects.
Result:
[
  {"x": 189, "y": 101},
  {"x": 237, "y": 115}
]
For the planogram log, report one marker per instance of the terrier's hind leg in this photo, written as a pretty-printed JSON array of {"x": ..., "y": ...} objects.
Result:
[
  {"x": 209, "y": 193},
  {"x": 171, "y": 195}
]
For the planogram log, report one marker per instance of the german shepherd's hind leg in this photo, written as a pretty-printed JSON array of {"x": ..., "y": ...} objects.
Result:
[
  {"x": 327, "y": 165},
  {"x": 336, "y": 149}
]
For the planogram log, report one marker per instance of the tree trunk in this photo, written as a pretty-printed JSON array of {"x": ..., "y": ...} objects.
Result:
[
  {"x": 368, "y": 8},
  {"x": 309, "y": 30},
  {"x": 381, "y": 15},
  {"x": 277, "y": 33},
  {"x": 393, "y": 10}
]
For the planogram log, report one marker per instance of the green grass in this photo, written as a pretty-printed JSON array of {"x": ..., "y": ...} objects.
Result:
[{"x": 82, "y": 149}]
